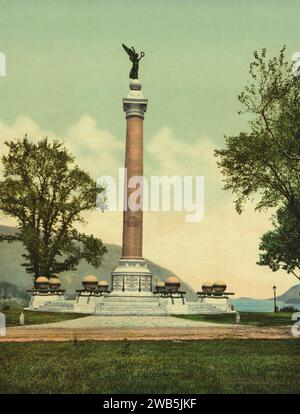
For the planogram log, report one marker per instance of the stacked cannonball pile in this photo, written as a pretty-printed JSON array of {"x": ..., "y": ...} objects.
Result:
[
  {"x": 217, "y": 287},
  {"x": 90, "y": 283},
  {"x": 43, "y": 283},
  {"x": 171, "y": 285}
]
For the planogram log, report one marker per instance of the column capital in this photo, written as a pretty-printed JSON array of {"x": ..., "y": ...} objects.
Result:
[
  {"x": 135, "y": 107},
  {"x": 135, "y": 104}
]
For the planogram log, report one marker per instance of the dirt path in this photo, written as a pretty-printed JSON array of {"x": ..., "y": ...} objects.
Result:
[{"x": 23, "y": 334}]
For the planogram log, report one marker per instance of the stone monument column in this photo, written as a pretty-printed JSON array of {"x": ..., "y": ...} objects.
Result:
[
  {"x": 134, "y": 106},
  {"x": 132, "y": 274}
]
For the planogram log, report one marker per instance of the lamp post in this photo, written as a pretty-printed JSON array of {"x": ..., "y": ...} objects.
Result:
[{"x": 275, "y": 306}]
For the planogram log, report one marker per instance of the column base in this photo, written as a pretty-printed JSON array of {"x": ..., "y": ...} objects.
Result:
[{"x": 132, "y": 276}]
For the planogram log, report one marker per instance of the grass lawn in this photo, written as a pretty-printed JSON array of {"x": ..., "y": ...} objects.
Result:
[
  {"x": 33, "y": 318},
  {"x": 225, "y": 366},
  {"x": 247, "y": 318}
]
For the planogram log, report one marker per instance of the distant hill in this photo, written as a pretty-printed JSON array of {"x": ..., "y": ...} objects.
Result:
[
  {"x": 291, "y": 295},
  {"x": 11, "y": 270},
  {"x": 13, "y": 296}
]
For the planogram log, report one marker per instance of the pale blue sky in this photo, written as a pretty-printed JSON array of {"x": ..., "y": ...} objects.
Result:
[{"x": 64, "y": 58}]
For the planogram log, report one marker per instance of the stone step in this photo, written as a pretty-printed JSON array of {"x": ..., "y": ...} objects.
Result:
[
  {"x": 61, "y": 304},
  {"x": 197, "y": 305},
  {"x": 131, "y": 306},
  {"x": 131, "y": 299},
  {"x": 53, "y": 309},
  {"x": 132, "y": 312},
  {"x": 133, "y": 309},
  {"x": 121, "y": 303},
  {"x": 203, "y": 308}
]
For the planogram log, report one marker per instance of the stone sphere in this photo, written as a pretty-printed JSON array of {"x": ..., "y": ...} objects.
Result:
[
  {"x": 42, "y": 279},
  {"x": 90, "y": 282},
  {"x": 160, "y": 287},
  {"x": 207, "y": 287},
  {"x": 172, "y": 279},
  {"x": 103, "y": 285},
  {"x": 90, "y": 278},
  {"x": 135, "y": 85},
  {"x": 54, "y": 282},
  {"x": 219, "y": 286},
  {"x": 41, "y": 282},
  {"x": 172, "y": 284}
]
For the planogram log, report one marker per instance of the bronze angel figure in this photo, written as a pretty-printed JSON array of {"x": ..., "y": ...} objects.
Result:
[{"x": 135, "y": 59}]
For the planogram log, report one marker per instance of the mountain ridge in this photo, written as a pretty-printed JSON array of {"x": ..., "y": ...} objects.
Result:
[
  {"x": 11, "y": 270},
  {"x": 291, "y": 295}
]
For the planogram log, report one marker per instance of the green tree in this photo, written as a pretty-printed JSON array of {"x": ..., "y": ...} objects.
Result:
[
  {"x": 263, "y": 163},
  {"x": 46, "y": 193},
  {"x": 280, "y": 247}
]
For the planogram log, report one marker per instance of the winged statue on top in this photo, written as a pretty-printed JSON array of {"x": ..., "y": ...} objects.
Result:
[{"x": 135, "y": 59}]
